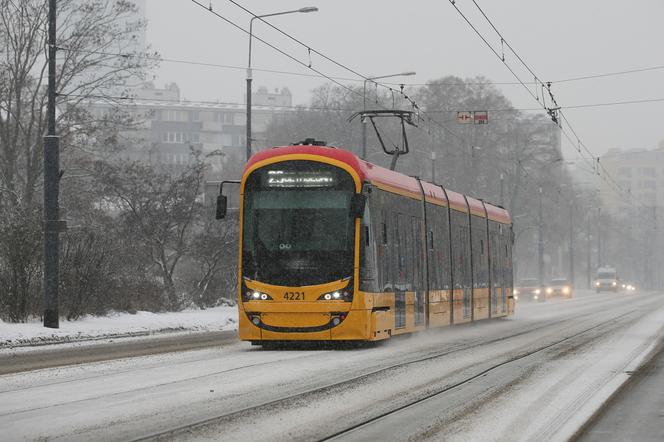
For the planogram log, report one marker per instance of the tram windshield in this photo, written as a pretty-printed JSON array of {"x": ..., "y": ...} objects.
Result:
[{"x": 297, "y": 228}]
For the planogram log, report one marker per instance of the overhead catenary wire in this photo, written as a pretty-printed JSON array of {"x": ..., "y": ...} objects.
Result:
[
  {"x": 406, "y": 97},
  {"x": 554, "y": 111}
]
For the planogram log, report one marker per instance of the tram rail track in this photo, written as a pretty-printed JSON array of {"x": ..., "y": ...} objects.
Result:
[
  {"x": 284, "y": 400},
  {"x": 519, "y": 357}
]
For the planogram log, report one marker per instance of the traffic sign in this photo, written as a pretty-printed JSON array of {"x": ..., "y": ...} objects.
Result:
[
  {"x": 481, "y": 117},
  {"x": 477, "y": 117},
  {"x": 464, "y": 117}
]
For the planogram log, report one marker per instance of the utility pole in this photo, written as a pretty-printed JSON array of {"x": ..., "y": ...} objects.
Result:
[
  {"x": 571, "y": 244},
  {"x": 249, "y": 80},
  {"x": 588, "y": 257},
  {"x": 502, "y": 189},
  {"x": 51, "y": 187},
  {"x": 433, "y": 166},
  {"x": 599, "y": 237},
  {"x": 540, "y": 242}
]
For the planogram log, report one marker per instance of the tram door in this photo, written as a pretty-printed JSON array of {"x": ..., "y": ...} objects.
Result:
[
  {"x": 495, "y": 273},
  {"x": 417, "y": 260},
  {"x": 400, "y": 263},
  {"x": 465, "y": 272}
]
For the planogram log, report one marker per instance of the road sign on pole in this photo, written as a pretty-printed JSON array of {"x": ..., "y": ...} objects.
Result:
[
  {"x": 481, "y": 117},
  {"x": 464, "y": 117}
]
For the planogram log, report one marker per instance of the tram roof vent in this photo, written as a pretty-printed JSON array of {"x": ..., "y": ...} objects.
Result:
[{"x": 310, "y": 142}]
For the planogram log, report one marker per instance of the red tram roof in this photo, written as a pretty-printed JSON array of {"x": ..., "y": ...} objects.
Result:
[{"x": 382, "y": 177}]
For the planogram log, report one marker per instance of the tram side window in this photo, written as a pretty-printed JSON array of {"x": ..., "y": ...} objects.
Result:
[
  {"x": 461, "y": 250},
  {"x": 443, "y": 244},
  {"x": 386, "y": 255},
  {"x": 368, "y": 268},
  {"x": 407, "y": 250},
  {"x": 496, "y": 255},
  {"x": 506, "y": 241},
  {"x": 380, "y": 238},
  {"x": 480, "y": 258},
  {"x": 419, "y": 243},
  {"x": 438, "y": 247},
  {"x": 398, "y": 274}
]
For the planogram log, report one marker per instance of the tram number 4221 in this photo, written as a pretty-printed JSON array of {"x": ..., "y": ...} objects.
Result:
[{"x": 294, "y": 296}]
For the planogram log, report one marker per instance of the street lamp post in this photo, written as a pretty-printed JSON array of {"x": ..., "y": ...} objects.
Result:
[
  {"x": 249, "y": 75},
  {"x": 364, "y": 105},
  {"x": 540, "y": 243}
]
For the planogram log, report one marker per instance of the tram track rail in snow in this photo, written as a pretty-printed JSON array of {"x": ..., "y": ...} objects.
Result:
[{"x": 201, "y": 425}]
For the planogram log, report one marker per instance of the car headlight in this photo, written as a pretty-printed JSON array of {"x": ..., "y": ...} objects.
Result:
[
  {"x": 516, "y": 292},
  {"x": 516, "y": 297},
  {"x": 597, "y": 283},
  {"x": 535, "y": 297},
  {"x": 537, "y": 292},
  {"x": 549, "y": 290},
  {"x": 566, "y": 290},
  {"x": 623, "y": 286},
  {"x": 614, "y": 283}
]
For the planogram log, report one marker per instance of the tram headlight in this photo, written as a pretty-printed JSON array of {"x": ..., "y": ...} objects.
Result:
[
  {"x": 254, "y": 295},
  {"x": 345, "y": 294},
  {"x": 597, "y": 283},
  {"x": 549, "y": 290},
  {"x": 614, "y": 283},
  {"x": 566, "y": 290},
  {"x": 537, "y": 292},
  {"x": 516, "y": 292}
]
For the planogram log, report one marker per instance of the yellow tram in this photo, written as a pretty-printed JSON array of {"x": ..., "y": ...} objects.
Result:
[{"x": 334, "y": 248}]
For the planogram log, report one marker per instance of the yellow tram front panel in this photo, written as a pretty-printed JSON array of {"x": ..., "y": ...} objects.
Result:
[{"x": 299, "y": 313}]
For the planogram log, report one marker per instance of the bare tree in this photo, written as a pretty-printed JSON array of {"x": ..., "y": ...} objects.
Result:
[
  {"x": 159, "y": 210},
  {"x": 96, "y": 59}
]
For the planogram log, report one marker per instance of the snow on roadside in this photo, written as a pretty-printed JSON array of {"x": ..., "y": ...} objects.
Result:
[{"x": 33, "y": 333}]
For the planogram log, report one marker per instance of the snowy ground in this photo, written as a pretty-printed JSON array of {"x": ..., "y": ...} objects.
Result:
[
  {"x": 254, "y": 394},
  {"x": 117, "y": 325}
]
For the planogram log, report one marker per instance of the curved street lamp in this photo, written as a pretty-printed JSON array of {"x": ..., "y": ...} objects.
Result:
[{"x": 249, "y": 76}]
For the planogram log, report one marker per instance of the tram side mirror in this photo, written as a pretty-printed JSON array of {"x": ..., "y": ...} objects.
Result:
[
  {"x": 222, "y": 204},
  {"x": 357, "y": 203}
]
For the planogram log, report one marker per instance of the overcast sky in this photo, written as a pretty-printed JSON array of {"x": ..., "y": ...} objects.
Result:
[{"x": 559, "y": 40}]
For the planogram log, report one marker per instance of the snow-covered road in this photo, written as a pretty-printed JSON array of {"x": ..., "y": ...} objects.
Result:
[{"x": 531, "y": 377}]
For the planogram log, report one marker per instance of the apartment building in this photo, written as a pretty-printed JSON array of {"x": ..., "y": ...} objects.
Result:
[
  {"x": 639, "y": 173},
  {"x": 171, "y": 126}
]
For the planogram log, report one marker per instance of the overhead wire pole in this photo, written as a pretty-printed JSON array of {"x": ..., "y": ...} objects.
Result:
[
  {"x": 51, "y": 186},
  {"x": 540, "y": 243},
  {"x": 571, "y": 243}
]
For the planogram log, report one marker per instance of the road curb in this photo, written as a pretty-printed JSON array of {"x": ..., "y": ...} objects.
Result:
[
  {"x": 593, "y": 408},
  {"x": 98, "y": 352}
]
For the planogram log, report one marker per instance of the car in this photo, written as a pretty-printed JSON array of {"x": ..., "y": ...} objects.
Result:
[
  {"x": 628, "y": 286},
  {"x": 529, "y": 289},
  {"x": 559, "y": 288},
  {"x": 607, "y": 280}
]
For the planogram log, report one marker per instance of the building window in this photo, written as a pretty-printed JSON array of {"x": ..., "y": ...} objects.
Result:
[
  {"x": 195, "y": 116},
  {"x": 625, "y": 172},
  {"x": 647, "y": 171},
  {"x": 175, "y": 137}
]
